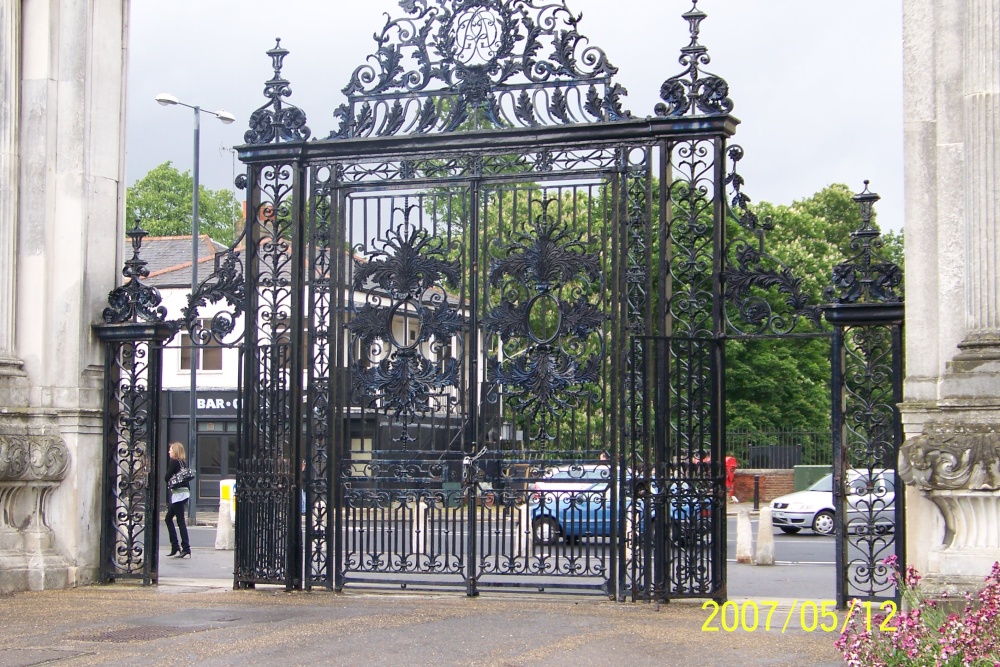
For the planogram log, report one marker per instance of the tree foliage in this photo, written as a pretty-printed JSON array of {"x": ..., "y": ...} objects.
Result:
[
  {"x": 162, "y": 201},
  {"x": 784, "y": 384}
]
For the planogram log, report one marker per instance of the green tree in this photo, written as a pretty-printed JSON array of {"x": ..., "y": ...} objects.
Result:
[
  {"x": 784, "y": 384},
  {"x": 162, "y": 201}
]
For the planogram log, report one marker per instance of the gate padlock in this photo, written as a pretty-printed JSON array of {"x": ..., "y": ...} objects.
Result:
[{"x": 467, "y": 462}]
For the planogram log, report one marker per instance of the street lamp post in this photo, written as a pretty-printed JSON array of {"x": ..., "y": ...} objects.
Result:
[{"x": 166, "y": 99}]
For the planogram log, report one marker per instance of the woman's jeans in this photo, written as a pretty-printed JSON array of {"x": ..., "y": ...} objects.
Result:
[{"x": 178, "y": 510}]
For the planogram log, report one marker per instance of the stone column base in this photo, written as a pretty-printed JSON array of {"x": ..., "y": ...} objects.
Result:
[
  {"x": 20, "y": 571},
  {"x": 950, "y": 590}
]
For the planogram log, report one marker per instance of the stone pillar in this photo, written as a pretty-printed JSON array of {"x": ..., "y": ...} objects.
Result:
[
  {"x": 982, "y": 182},
  {"x": 13, "y": 381},
  {"x": 951, "y": 409},
  {"x": 62, "y": 128}
]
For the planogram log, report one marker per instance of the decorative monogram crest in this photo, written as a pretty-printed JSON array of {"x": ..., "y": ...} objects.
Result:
[{"x": 452, "y": 64}]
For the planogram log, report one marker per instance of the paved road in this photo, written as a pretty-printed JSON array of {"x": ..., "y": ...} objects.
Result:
[{"x": 804, "y": 548}]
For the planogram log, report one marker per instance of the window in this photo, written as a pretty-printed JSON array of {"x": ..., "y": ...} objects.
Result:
[{"x": 208, "y": 358}]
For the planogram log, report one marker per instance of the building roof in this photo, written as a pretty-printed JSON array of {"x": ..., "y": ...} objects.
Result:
[{"x": 168, "y": 259}]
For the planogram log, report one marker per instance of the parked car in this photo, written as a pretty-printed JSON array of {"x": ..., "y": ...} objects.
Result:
[
  {"x": 871, "y": 504},
  {"x": 574, "y": 502}
]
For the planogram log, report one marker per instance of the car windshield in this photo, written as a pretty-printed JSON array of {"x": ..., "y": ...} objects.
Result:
[
  {"x": 824, "y": 484},
  {"x": 884, "y": 482}
]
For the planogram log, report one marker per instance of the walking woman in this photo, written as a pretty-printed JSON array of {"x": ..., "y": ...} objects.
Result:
[{"x": 179, "y": 495}]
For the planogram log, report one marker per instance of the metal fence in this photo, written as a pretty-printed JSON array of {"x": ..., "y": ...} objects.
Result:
[{"x": 780, "y": 449}]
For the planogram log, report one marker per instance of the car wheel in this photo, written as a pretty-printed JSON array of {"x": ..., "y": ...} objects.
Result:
[
  {"x": 823, "y": 523},
  {"x": 546, "y": 531},
  {"x": 791, "y": 530}
]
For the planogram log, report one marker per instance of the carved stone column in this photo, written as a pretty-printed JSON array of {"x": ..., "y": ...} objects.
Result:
[
  {"x": 981, "y": 103},
  {"x": 951, "y": 408},
  {"x": 13, "y": 382}
]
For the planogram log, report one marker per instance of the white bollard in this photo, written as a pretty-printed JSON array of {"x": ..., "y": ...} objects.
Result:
[
  {"x": 524, "y": 533},
  {"x": 225, "y": 533},
  {"x": 765, "y": 538},
  {"x": 420, "y": 528},
  {"x": 744, "y": 537}
]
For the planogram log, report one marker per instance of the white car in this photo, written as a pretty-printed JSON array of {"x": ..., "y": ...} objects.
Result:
[{"x": 871, "y": 503}]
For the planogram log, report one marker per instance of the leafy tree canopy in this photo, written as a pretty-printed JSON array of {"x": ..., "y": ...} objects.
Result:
[
  {"x": 162, "y": 201},
  {"x": 784, "y": 384}
]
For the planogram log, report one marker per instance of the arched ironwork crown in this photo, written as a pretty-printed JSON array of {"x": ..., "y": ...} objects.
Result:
[
  {"x": 475, "y": 64},
  {"x": 451, "y": 65}
]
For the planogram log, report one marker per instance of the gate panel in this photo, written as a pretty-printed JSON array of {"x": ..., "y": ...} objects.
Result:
[
  {"x": 407, "y": 361},
  {"x": 677, "y": 367},
  {"x": 868, "y": 434},
  {"x": 267, "y": 508},
  {"x": 549, "y": 513}
]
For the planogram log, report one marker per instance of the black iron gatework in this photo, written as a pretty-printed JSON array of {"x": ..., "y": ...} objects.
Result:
[
  {"x": 134, "y": 331},
  {"x": 867, "y": 314},
  {"x": 486, "y": 322},
  {"x": 455, "y": 274}
]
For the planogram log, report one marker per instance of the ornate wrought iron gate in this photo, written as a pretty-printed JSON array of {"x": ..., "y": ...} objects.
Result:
[
  {"x": 867, "y": 382},
  {"x": 486, "y": 322}
]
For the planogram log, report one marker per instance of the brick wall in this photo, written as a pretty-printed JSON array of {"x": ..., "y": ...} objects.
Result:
[{"x": 773, "y": 483}]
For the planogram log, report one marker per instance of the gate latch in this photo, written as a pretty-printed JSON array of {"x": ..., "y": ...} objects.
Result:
[{"x": 467, "y": 465}]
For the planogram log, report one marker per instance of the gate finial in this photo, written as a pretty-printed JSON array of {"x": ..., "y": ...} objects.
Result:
[
  {"x": 277, "y": 122},
  {"x": 693, "y": 90},
  {"x": 134, "y": 302},
  {"x": 866, "y": 277}
]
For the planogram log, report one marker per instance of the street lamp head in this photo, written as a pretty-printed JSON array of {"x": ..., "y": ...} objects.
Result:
[
  {"x": 225, "y": 116},
  {"x": 166, "y": 99}
]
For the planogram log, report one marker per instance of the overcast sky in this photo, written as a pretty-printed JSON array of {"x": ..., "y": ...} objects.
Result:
[{"x": 817, "y": 85}]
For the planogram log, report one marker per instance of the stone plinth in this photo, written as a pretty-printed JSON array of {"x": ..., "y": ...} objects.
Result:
[
  {"x": 959, "y": 472},
  {"x": 31, "y": 467}
]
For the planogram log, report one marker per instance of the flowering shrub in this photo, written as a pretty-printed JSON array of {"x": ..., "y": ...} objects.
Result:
[{"x": 927, "y": 635}]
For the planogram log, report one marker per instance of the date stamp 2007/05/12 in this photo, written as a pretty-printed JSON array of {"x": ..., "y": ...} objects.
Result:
[{"x": 812, "y": 616}]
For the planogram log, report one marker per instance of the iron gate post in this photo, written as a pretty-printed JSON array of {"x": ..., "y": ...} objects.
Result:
[
  {"x": 133, "y": 334},
  {"x": 130, "y": 526},
  {"x": 866, "y": 310}
]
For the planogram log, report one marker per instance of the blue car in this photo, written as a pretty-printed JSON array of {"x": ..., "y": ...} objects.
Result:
[{"x": 574, "y": 502}]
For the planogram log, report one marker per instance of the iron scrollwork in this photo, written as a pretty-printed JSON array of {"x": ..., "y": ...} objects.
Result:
[
  {"x": 410, "y": 273},
  {"x": 694, "y": 90},
  {"x": 750, "y": 271},
  {"x": 227, "y": 283},
  {"x": 449, "y": 63},
  {"x": 548, "y": 374},
  {"x": 866, "y": 277},
  {"x": 277, "y": 121}
]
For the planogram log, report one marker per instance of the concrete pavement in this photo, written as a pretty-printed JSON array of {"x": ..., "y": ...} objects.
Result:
[{"x": 195, "y": 618}]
